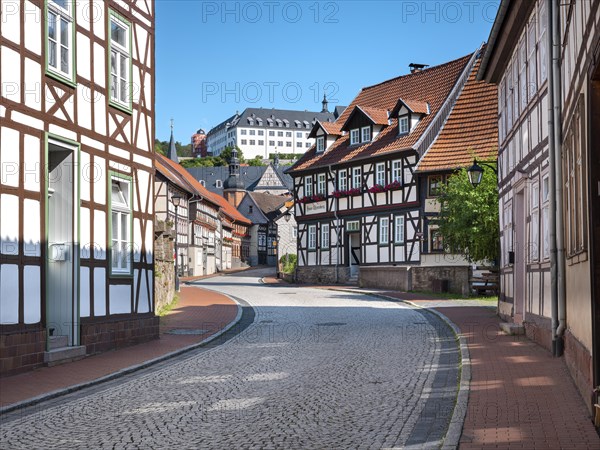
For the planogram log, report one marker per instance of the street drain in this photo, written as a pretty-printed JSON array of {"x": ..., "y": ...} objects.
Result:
[
  {"x": 187, "y": 331},
  {"x": 331, "y": 324}
]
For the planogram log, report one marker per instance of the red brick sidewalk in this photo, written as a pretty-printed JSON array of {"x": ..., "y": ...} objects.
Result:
[
  {"x": 197, "y": 309},
  {"x": 521, "y": 397}
]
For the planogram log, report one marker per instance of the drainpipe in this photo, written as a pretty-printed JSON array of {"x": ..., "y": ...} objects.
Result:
[
  {"x": 337, "y": 234},
  {"x": 557, "y": 251}
]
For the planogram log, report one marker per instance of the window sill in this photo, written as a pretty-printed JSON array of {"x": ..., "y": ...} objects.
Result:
[
  {"x": 121, "y": 107},
  {"x": 61, "y": 78}
]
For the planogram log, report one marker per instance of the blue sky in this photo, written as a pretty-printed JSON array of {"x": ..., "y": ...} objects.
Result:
[{"x": 213, "y": 57}]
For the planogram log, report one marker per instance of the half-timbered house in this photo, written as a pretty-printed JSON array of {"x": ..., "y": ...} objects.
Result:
[
  {"x": 77, "y": 165},
  {"x": 359, "y": 205},
  {"x": 544, "y": 57},
  {"x": 470, "y": 133}
]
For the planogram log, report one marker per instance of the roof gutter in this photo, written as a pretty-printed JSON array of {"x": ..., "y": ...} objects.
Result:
[{"x": 502, "y": 10}]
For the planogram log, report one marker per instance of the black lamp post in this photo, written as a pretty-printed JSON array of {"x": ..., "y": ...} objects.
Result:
[
  {"x": 475, "y": 172},
  {"x": 176, "y": 199}
]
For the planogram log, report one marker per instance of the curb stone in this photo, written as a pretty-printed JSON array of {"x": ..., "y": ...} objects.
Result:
[{"x": 125, "y": 371}]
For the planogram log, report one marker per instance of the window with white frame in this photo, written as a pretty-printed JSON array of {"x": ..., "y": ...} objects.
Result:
[
  {"x": 120, "y": 60},
  {"x": 308, "y": 186},
  {"x": 60, "y": 37},
  {"x": 356, "y": 177},
  {"x": 219, "y": 184},
  {"x": 321, "y": 184},
  {"x": 399, "y": 229},
  {"x": 320, "y": 144},
  {"x": 403, "y": 125},
  {"x": 543, "y": 43},
  {"x": 380, "y": 174},
  {"x": 325, "y": 235},
  {"x": 366, "y": 134},
  {"x": 354, "y": 136},
  {"x": 294, "y": 232},
  {"x": 397, "y": 171},
  {"x": 546, "y": 217},
  {"x": 312, "y": 237},
  {"x": 534, "y": 232},
  {"x": 342, "y": 180},
  {"x": 120, "y": 207},
  {"x": 532, "y": 57},
  {"x": 384, "y": 230}
]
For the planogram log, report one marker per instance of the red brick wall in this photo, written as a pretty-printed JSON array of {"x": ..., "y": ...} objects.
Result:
[
  {"x": 111, "y": 334},
  {"x": 22, "y": 351}
]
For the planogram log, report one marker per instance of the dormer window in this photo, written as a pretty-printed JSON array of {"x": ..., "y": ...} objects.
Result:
[
  {"x": 403, "y": 125},
  {"x": 320, "y": 144},
  {"x": 219, "y": 184},
  {"x": 354, "y": 136},
  {"x": 366, "y": 134}
]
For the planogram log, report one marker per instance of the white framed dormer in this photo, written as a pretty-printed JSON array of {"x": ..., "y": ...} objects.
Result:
[
  {"x": 355, "y": 136},
  {"x": 60, "y": 40},
  {"x": 320, "y": 144},
  {"x": 120, "y": 66}
]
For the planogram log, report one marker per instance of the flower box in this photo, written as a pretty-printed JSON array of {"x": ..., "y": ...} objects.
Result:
[
  {"x": 346, "y": 193},
  {"x": 312, "y": 198}
]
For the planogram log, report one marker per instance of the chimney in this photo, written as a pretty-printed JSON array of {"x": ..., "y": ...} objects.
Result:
[{"x": 414, "y": 67}]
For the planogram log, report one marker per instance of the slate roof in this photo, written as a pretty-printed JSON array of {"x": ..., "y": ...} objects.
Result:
[
  {"x": 250, "y": 115},
  {"x": 269, "y": 204},
  {"x": 431, "y": 85},
  {"x": 470, "y": 131},
  {"x": 250, "y": 175},
  {"x": 177, "y": 174},
  {"x": 172, "y": 151}
]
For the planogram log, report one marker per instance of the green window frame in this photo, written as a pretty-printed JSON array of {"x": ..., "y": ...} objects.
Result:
[
  {"x": 120, "y": 66},
  {"x": 59, "y": 36},
  {"x": 120, "y": 225}
]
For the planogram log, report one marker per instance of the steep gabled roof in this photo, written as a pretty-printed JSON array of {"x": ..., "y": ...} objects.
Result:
[
  {"x": 470, "y": 131},
  {"x": 415, "y": 106},
  {"x": 432, "y": 85},
  {"x": 329, "y": 128},
  {"x": 269, "y": 204},
  {"x": 375, "y": 115}
]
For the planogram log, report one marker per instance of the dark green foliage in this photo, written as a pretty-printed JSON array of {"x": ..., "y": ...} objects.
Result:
[{"x": 468, "y": 221}]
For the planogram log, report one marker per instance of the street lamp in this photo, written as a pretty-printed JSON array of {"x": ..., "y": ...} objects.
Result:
[
  {"x": 475, "y": 172},
  {"x": 176, "y": 199}
]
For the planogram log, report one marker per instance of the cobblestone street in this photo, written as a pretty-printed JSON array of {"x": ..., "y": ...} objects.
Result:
[{"x": 317, "y": 369}]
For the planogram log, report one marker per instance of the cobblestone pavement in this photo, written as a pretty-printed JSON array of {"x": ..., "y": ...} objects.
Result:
[{"x": 317, "y": 369}]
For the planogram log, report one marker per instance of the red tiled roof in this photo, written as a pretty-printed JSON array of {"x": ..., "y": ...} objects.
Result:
[
  {"x": 378, "y": 116},
  {"x": 416, "y": 106},
  {"x": 331, "y": 128},
  {"x": 470, "y": 131},
  {"x": 182, "y": 178},
  {"x": 431, "y": 85}
]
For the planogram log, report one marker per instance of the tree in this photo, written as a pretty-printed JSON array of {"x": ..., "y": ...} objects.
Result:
[
  {"x": 257, "y": 161},
  {"x": 226, "y": 154},
  {"x": 469, "y": 221}
]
